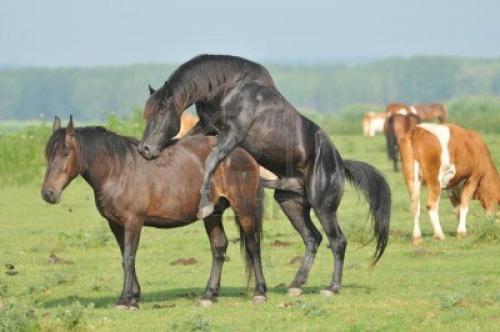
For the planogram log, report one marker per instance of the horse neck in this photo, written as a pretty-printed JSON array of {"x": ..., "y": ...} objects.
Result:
[{"x": 101, "y": 168}]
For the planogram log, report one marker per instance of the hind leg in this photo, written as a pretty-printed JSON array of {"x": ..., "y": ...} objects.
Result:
[
  {"x": 325, "y": 192},
  {"x": 297, "y": 210},
  {"x": 218, "y": 244}
]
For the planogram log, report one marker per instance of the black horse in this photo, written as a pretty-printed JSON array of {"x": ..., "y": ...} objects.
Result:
[{"x": 237, "y": 100}]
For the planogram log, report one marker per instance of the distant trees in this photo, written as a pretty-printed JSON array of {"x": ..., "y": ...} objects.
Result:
[{"x": 96, "y": 92}]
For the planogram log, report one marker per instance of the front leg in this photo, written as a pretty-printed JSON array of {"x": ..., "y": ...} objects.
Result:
[
  {"x": 205, "y": 125},
  {"x": 132, "y": 236},
  {"x": 226, "y": 142}
]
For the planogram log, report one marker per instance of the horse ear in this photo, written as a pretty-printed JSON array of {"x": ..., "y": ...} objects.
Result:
[
  {"x": 151, "y": 90},
  {"x": 70, "y": 129},
  {"x": 57, "y": 124}
]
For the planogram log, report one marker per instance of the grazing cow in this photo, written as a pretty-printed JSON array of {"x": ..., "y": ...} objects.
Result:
[
  {"x": 451, "y": 158},
  {"x": 188, "y": 121},
  {"x": 426, "y": 112},
  {"x": 395, "y": 127},
  {"x": 373, "y": 123}
]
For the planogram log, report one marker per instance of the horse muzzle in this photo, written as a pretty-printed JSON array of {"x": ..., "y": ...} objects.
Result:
[
  {"x": 148, "y": 152},
  {"x": 51, "y": 196}
]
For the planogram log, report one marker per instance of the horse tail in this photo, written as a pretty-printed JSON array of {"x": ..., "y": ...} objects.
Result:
[{"x": 368, "y": 180}]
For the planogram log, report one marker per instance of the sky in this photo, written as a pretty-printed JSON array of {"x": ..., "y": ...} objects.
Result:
[{"x": 100, "y": 32}]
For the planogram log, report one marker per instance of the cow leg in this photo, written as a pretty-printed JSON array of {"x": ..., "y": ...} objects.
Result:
[
  {"x": 433, "y": 208},
  {"x": 415, "y": 209},
  {"x": 465, "y": 197}
]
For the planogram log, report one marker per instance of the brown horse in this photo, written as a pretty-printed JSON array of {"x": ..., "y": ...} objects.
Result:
[
  {"x": 395, "y": 127},
  {"x": 131, "y": 192}
]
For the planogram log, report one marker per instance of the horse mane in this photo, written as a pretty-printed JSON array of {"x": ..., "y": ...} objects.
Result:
[
  {"x": 207, "y": 76},
  {"x": 93, "y": 140}
]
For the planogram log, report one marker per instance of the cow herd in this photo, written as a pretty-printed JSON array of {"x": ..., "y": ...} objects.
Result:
[{"x": 440, "y": 156}]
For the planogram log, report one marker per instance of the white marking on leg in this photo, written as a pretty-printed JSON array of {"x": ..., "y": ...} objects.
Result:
[
  {"x": 462, "y": 228},
  {"x": 447, "y": 170},
  {"x": 434, "y": 214},
  {"x": 416, "y": 200},
  {"x": 413, "y": 110}
]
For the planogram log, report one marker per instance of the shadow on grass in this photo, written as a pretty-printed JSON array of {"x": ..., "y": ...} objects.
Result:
[{"x": 194, "y": 294}]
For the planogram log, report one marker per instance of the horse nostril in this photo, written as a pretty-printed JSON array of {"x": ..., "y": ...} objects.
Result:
[
  {"x": 146, "y": 148},
  {"x": 51, "y": 193}
]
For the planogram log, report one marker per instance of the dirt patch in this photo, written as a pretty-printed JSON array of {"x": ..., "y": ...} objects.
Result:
[
  {"x": 185, "y": 261},
  {"x": 278, "y": 243},
  {"x": 53, "y": 259},
  {"x": 298, "y": 261},
  {"x": 163, "y": 306},
  {"x": 11, "y": 270}
]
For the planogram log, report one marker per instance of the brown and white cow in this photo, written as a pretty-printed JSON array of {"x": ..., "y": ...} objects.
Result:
[
  {"x": 426, "y": 112},
  {"x": 188, "y": 121},
  {"x": 395, "y": 127},
  {"x": 451, "y": 158},
  {"x": 373, "y": 123}
]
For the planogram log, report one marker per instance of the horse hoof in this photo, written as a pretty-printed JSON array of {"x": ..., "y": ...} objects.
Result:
[
  {"x": 205, "y": 211},
  {"x": 294, "y": 292},
  {"x": 461, "y": 235},
  {"x": 332, "y": 290},
  {"x": 417, "y": 241},
  {"x": 205, "y": 303},
  {"x": 438, "y": 237},
  {"x": 121, "y": 307},
  {"x": 133, "y": 307},
  {"x": 259, "y": 299}
]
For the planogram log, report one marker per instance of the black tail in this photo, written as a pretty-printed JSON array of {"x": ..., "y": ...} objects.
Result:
[
  {"x": 259, "y": 217},
  {"x": 374, "y": 187},
  {"x": 390, "y": 137}
]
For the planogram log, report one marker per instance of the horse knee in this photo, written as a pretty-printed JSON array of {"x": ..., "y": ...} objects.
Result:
[{"x": 339, "y": 245}]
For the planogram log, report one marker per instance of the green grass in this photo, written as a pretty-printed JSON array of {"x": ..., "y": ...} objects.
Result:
[{"x": 448, "y": 285}]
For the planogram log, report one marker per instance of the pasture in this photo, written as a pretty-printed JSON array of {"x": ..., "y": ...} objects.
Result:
[{"x": 61, "y": 267}]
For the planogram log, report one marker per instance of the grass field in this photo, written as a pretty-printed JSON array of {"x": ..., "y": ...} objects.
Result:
[{"x": 448, "y": 285}]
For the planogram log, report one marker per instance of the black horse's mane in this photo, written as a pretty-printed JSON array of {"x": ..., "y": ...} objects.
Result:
[
  {"x": 93, "y": 140},
  {"x": 206, "y": 76}
]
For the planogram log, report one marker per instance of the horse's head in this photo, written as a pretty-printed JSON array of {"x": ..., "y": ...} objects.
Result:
[
  {"x": 162, "y": 122},
  {"x": 63, "y": 161}
]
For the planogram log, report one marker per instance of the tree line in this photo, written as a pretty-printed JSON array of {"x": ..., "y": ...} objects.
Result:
[{"x": 95, "y": 93}]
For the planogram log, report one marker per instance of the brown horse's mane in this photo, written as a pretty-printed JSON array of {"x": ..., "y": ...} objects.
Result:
[
  {"x": 93, "y": 141},
  {"x": 206, "y": 76}
]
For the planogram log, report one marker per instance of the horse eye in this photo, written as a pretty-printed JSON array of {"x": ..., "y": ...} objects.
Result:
[{"x": 65, "y": 152}]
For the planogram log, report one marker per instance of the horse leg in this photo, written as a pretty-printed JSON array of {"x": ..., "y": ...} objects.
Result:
[
  {"x": 297, "y": 209},
  {"x": 129, "y": 297},
  {"x": 325, "y": 184},
  {"x": 205, "y": 125},
  {"x": 226, "y": 142},
  {"x": 218, "y": 244},
  {"x": 118, "y": 232}
]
